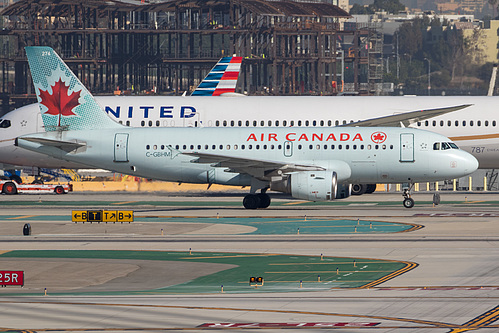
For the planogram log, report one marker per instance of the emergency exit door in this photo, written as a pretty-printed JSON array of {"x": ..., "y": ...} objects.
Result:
[
  {"x": 406, "y": 147},
  {"x": 121, "y": 147}
]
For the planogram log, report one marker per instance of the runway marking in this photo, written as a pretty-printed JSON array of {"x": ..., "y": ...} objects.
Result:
[
  {"x": 434, "y": 324},
  {"x": 241, "y": 256},
  {"x": 295, "y": 203},
  {"x": 21, "y": 217},
  {"x": 409, "y": 266},
  {"x": 481, "y": 321},
  {"x": 123, "y": 203}
]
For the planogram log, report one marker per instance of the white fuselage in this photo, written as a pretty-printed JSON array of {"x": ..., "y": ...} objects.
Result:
[
  {"x": 357, "y": 155},
  {"x": 475, "y": 129}
]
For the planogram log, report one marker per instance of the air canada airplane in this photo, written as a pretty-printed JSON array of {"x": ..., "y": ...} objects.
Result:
[{"x": 316, "y": 164}]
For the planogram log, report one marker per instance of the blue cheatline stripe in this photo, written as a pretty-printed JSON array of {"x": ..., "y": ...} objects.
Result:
[
  {"x": 214, "y": 76},
  {"x": 225, "y": 60},
  {"x": 219, "y": 68},
  {"x": 208, "y": 84},
  {"x": 203, "y": 93}
]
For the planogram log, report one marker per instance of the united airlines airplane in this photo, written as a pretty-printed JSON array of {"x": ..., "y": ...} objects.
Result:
[{"x": 315, "y": 164}]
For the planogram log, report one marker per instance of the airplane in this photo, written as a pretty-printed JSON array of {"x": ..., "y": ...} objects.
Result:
[{"x": 316, "y": 164}]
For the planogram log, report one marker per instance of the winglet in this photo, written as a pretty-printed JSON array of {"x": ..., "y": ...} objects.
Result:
[
  {"x": 221, "y": 79},
  {"x": 64, "y": 101}
]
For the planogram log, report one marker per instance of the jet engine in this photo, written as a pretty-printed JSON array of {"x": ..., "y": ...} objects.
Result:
[{"x": 308, "y": 185}]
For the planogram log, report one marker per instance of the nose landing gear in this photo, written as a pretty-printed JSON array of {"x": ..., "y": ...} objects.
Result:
[{"x": 408, "y": 201}]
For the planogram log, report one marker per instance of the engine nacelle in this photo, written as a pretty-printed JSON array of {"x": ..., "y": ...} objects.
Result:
[
  {"x": 344, "y": 191},
  {"x": 309, "y": 185}
]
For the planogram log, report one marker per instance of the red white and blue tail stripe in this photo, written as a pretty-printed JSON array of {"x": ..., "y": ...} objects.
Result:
[{"x": 221, "y": 79}]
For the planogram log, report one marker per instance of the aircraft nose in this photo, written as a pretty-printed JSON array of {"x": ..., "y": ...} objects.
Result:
[{"x": 469, "y": 163}]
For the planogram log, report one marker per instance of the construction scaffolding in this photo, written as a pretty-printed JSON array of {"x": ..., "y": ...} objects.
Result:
[{"x": 131, "y": 47}]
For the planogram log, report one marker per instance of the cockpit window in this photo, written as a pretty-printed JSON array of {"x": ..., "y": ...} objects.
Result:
[
  {"x": 4, "y": 123},
  {"x": 444, "y": 145}
]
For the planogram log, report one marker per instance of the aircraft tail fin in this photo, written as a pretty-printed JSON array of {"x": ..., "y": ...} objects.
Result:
[
  {"x": 64, "y": 101},
  {"x": 221, "y": 79}
]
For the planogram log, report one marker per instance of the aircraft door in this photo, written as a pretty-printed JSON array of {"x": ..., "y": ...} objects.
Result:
[
  {"x": 288, "y": 148},
  {"x": 121, "y": 147},
  {"x": 406, "y": 147}
]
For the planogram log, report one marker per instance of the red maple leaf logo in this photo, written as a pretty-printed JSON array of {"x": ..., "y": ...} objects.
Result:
[
  {"x": 59, "y": 103},
  {"x": 378, "y": 137}
]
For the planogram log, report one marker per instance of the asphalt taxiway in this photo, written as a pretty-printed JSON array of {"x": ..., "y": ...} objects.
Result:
[{"x": 448, "y": 279}]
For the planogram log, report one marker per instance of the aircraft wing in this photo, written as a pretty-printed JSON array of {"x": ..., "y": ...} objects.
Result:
[
  {"x": 254, "y": 167},
  {"x": 405, "y": 119},
  {"x": 63, "y": 145}
]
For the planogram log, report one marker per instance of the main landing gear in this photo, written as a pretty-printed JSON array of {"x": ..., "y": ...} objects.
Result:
[
  {"x": 254, "y": 201},
  {"x": 408, "y": 201}
]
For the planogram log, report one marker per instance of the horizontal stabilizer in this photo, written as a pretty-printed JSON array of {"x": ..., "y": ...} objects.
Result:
[
  {"x": 406, "y": 118},
  {"x": 67, "y": 146}
]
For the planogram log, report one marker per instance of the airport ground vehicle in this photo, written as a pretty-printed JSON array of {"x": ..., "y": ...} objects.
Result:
[{"x": 12, "y": 187}]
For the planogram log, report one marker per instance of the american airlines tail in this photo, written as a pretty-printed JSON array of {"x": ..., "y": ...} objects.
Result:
[
  {"x": 64, "y": 101},
  {"x": 221, "y": 79}
]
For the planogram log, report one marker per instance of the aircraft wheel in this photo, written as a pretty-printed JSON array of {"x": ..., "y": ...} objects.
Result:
[
  {"x": 264, "y": 200},
  {"x": 408, "y": 202},
  {"x": 370, "y": 188},
  {"x": 358, "y": 189},
  {"x": 251, "y": 201},
  {"x": 59, "y": 190},
  {"x": 9, "y": 188}
]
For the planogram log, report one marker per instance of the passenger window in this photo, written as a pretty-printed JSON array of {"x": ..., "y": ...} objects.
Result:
[
  {"x": 354, "y": 147},
  {"x": 155, "y": 147},
  {"x": 235, "y": 147},
  {"x": 243, "y": 146},
  {"x": 383, "y": 147},
  {"x": 239, "y": 123},
  {"x": 157, "y": 123},
  {"x": 376, "y": 147},
  {"x": 213, "y": 147},
  {"x": 272, "y": 147},
  {"x": 192, "y": 147},
  {"x": 228, "y": 147},
  {"x": 279, "y": 147},
  {"x": 225, "y": 123},
  {"x": 299, "y": 122},
  {"x": 254, "y": 123},
  {"x": 306, "y": 122},
  {"x": 310, "y": 147},
  {"x": 284, "y": 123},
  {"x": 456, "y": 123},
  {"x": 232, "y": 123},
  {"x": 339, "y": 147},
  {"x": 162, "y": 147},
  {"x": 464, "y": 123},
  {"x": 479, "y": 123},
  {"x": 142, "y": 123},
  {"x": 336, "y": 123},
  {"x": 318, "y": 147},
  {"x": 493, "y": 123},
  {"x": 184, "y": 147},
  {"x": 250, "y": 147},
  {"x": 434, "y": 123},
  {"x": 368, "y": 147},
  {"x": 217, "y": 123},
  {"x": 277, "y": 123},
  {"x": 426, "y": 123},
  {"x": 436, "y": 146},
  {"x": 262, "y": 123},
  {"x": 329, "y": 123},
  {"x": 206, "y": 147},
  {"x": 332, "y": 147},
  {"x": 449, "y": 123},
  {"x": 270, "y": 123},
  {"x": 177, "y": 146},
  {"x": 265, "y": 147},
  {"x": 441, "y": 123},
  {"x": 347, "y": 147},
  {"x": 419, "y": 124},
  {"x": 247, "y": 123},
  {"x": 292, "y": 123},
  {"x": 314, "y": 123},
  {"x": 362, "y": 147},
  {"x": 325, "y": 147},
  {"x": 148, "y": 147},
  {"x": 128, "y": 122},
  {"x": 486, "y": 123},
  {"x": 150, "y": 123},
  {"x": 322, "y": 123},
  {"x": 471, "y": 122}
]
